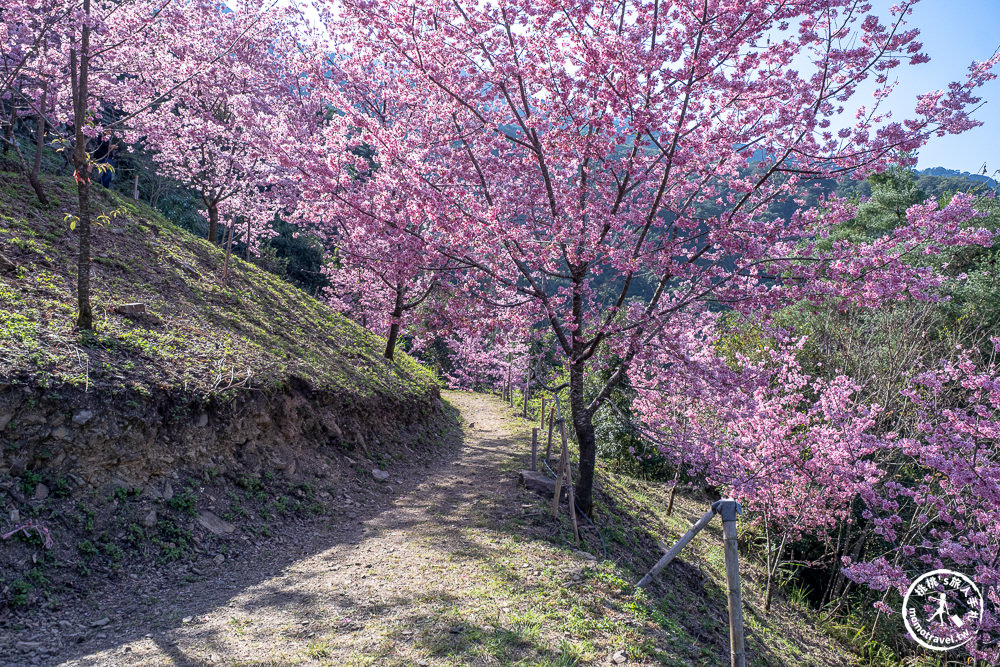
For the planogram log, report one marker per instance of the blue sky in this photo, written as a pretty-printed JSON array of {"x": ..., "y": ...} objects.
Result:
[{"x": 954, "y": 33}]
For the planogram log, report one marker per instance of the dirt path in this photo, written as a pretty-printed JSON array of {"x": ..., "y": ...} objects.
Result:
[
  {"x": 385, "y": 586},
  {"x": 450, "y": 562}
]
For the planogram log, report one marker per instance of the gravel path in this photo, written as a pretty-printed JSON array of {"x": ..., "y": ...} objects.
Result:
[{"x": 379, "y": 585}]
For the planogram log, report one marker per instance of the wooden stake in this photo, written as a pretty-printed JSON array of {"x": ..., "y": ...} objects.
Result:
[
  {"x": 560, "y": 472},
  {"x": 569, "y": 481},
  {"x": 676, "y": 549},
  {"x": 542, "y": 413},
  {"x": 534, "y": 449},
  {"x": 729, "y": 509},
  {"x": 548, "y": 447}
]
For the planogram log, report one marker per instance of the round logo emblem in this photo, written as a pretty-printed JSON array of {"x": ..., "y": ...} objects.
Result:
[{"x": 942, "y": 610}]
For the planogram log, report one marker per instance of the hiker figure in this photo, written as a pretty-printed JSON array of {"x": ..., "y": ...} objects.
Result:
[
  {"x": 942, "y": 608},
  {"x": 105, "y": 154}
]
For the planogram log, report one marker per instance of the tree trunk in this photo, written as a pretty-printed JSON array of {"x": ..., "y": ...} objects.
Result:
[
  {"x": 8, "y": 128},
  {"x": 583, "y": 426},
  {"x": 79, "y": 80},
  {"x": 31, "y": 176},
  {"x": 39, "y": 137},
  {"x": 213, "y": 221},
  {"x": 771, "y": 566},
  {"x": 36, "y": 166},
  {"x": 397, "y": 312},
  {"x": 85, "y": 318}
]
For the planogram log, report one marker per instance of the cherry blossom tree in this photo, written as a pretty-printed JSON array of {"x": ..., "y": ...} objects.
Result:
[
  {"x": 382, "y": 273},
  {"x": 215, "y": 132},
  {"x": 72, "y": 63},
  {"x": 611, "y": 163}
]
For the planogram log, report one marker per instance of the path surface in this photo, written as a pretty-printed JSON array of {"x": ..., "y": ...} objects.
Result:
[
  {"x": 450, "y": 563},
  {"x": 384, "y": 588}
]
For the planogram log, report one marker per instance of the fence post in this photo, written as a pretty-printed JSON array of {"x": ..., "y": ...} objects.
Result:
[
  {"x": 569, "y": 481},
  {"x": 729, "y": 509},
  {"x": 560, "y": 471},
  {"x": 676, "y": 549},
  {"x": 542, "y": 412},
  {"x": 548, "y": 447},
  {"x": 534, "y": 449}
]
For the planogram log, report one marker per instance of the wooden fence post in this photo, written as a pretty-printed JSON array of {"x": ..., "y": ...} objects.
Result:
[
  {"x": 542, "y": 412},
  {"x": 534, "y": 449},
  {"x": 676, "y": 549},
  {"x": 548, "y": 447},
  {"x": 729, "y": 509},
  {"x": 569, "y": 480},
  {"x": 560, "y": 471}
]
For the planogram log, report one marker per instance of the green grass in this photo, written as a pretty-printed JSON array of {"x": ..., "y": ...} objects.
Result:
[{"x": 199, "y": 336}]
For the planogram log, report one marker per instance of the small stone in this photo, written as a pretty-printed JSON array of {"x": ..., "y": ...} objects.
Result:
[
  {"x": 28, "y": 646},
  {"x": 220, "y": 559},
  {"x": 201, "y": 421},
  {"x": 380, "y": 475},
  {"x": 538, "y": 482},
  {"x": 60, "y": 432},
  {"x": 41, "y": 492},
  {"x": 15, "y": 516},
  {"x": 131, "y": 309},
  {"x": 187, "y": 619},
  {"x": 150, "y": 519},
  {"x": 212, "y": 523},
  {"x": 168, "y": 491},
  {"x": 456, "y": 630},
  {"x": 5, "y": 418},
  {"x": 18, "y": 466},
  {"x": 618, "y": 658},
  {"x": 82, "y": 417},
  {"x": 100, "y": 623}
]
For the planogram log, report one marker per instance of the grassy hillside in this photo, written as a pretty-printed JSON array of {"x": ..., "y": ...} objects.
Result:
[{"x": 198, "y": 336}]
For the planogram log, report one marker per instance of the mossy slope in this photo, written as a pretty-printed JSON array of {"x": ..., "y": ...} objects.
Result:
[{"x": 256, "y": 332}]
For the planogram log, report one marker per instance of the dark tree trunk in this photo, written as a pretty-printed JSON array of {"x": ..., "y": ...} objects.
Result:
[
  {"x": 8, "y": 128},
  {"x": 85, "y": 318},
  {"x": 583, "y": 425},
  {"x": 36, "y": 166},
  {"x": 397, "y": 312},
  {"x": 79, "y": 80},
  {"x": 213, "y": 222},
  {"x": 29, "y": 174},
  {"x": 39, "y": 137}
]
